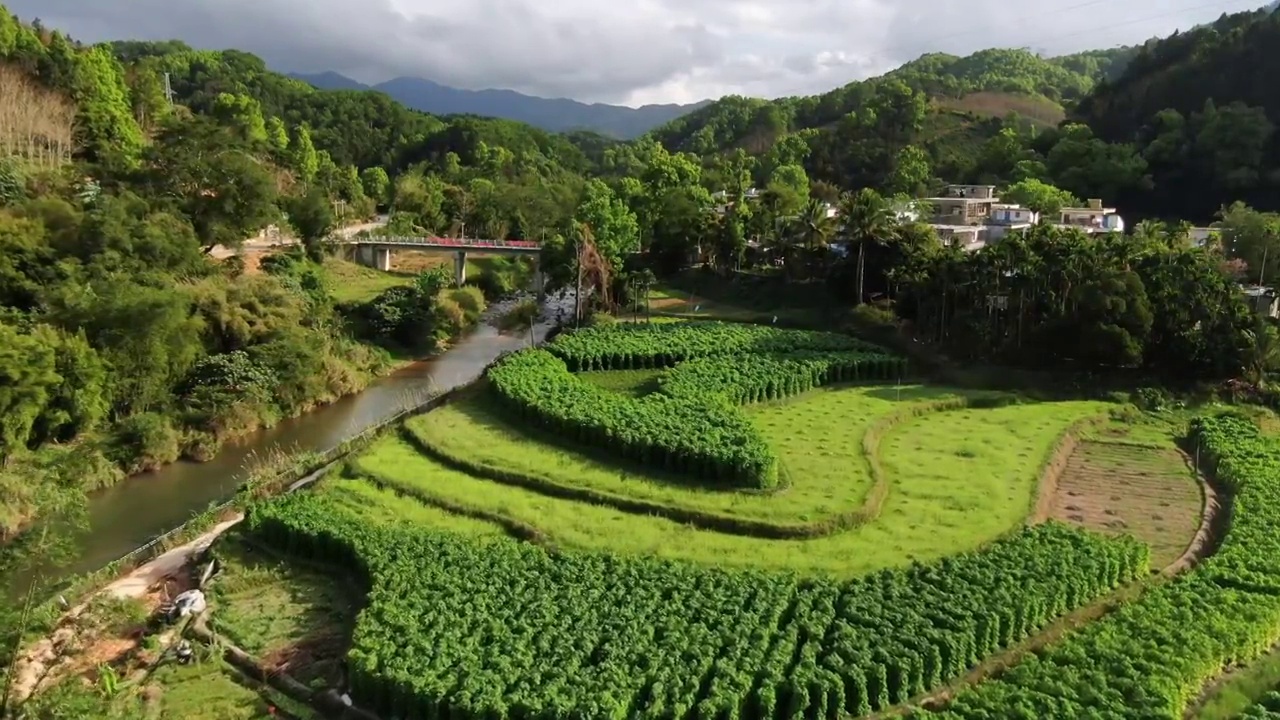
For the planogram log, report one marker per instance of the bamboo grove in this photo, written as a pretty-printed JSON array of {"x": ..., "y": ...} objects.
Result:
[
  {"x": 1150, "y": 657},
  {"x": 693, "y": 425},
  {"x": 458, "y": 628}
]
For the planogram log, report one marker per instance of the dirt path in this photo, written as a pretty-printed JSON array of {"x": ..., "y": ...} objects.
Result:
[
  {"x": 1203, "y": 544},
  {"x": 52, "y": 656}
]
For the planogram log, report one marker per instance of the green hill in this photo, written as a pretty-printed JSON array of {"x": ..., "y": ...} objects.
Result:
[
  {"x": 1004, "y": 81},
  {"x": 1201, "y": 108}
]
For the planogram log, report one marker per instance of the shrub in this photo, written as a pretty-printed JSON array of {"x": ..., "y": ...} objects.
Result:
[
  {"x": 471, "y": 300},
  {"x": 143, "y": 442}
]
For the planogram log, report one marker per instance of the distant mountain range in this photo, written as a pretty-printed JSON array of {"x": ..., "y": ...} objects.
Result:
[{"x": 559, "y": 115}]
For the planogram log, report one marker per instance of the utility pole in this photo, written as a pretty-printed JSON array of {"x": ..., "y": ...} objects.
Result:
[{"x": 168, "y": 89}]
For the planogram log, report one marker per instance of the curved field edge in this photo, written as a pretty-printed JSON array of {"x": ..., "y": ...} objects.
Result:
[
  {"x": 443, "y": 446},
  {"x": 626, "y": 636},
  {"x": 1152, "y": 657},
  {"x": 693, "y": 425},
  {"x": 917, "y": 524},
  {"x": 1202, "y": 545}
]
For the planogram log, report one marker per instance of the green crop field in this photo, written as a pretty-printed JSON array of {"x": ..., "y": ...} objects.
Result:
[{"x": 706, "y": 520}]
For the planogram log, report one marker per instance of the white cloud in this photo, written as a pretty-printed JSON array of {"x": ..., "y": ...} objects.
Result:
[{"x": 630, "y": 51}]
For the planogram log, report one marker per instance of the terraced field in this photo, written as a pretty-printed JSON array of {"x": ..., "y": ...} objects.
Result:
[{"x": 884, "y": 495}]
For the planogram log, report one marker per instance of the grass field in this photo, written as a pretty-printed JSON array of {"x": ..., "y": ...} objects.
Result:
[
  {"x": 353, "y": 283},
  {"x": 818, "y": 438},
  {"x": 930, "y": 511},
  {"x": 383, "y": 507},
  {"x": 293, "y": 618}
]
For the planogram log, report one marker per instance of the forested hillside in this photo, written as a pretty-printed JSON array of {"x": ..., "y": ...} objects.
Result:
[
  {"x": 951, "y": 110},
  {"x": 125, "y": 345},
  {"x": 1201, "y": 108},
  {"x": 1017, "y": 76}
]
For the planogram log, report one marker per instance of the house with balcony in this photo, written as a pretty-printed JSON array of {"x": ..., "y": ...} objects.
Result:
[
  {"x": 964, "y": 204},
  {"x": 965, "y": 237},
  {"x": 1095, "y": 218},
  {"x": 1007, "y": 218}
]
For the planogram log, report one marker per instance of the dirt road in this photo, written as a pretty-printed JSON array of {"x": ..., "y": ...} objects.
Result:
[{"x": 49, "y": 657}]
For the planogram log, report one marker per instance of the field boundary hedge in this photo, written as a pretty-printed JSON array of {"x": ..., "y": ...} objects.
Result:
[{"x": 709, "y": 520}]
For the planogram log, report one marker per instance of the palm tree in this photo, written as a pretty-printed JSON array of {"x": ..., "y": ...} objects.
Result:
[
  {"x": 814, "y": 227},
  {"x": 866, "y": 217},
  {"x": 1264, "y": 352}
]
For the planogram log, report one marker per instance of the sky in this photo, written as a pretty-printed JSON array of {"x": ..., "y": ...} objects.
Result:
[{"x": 628, "y": 52}]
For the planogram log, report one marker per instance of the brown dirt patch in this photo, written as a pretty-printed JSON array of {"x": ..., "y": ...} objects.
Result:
[
  {"x": 415, "y": 261},
  {"x": 1039, "y": 110},
  {"x": 1151, "y": 494}
]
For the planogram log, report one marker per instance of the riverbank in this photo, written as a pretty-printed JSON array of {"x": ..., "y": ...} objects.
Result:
[{"x": 141, "y": 508}]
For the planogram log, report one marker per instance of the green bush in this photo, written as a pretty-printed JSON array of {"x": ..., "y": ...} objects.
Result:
[
  {"x": 143, "y": 442},
  {"x": 471, "y": 300}
]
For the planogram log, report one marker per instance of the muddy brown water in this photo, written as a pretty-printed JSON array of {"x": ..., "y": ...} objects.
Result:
[{"x": 141, "y": 507}]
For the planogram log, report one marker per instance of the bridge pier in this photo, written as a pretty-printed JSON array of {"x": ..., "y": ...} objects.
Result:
[
  {"x": 460, "y": 267},
  {"x": 374, "y": 256},
  {"x": 539, "y": 283}
]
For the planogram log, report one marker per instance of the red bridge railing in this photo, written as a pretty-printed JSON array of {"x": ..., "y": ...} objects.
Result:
[{"x": 444, "y": 242}]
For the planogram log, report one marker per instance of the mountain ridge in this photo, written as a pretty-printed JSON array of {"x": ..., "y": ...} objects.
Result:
[{"x": 551, "y": 114}]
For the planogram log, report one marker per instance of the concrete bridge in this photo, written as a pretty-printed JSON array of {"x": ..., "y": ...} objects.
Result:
[{"x": 375, "y": 250}]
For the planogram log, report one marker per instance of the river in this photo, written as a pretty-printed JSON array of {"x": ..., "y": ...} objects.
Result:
[{"x": 127, "y": 515}]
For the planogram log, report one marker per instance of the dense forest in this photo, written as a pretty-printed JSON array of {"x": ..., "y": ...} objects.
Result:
[{"x": 126, "y": 346}]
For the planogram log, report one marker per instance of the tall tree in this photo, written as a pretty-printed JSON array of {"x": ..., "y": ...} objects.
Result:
[{"x": 866, "y": 218}]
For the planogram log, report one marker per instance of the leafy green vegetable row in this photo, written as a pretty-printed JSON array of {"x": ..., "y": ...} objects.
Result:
[
  {"x": 744, "y": 379},
  {"x": 1151, "y": 657},
  {"x": 1268, "y": 708},
  {"x": 692, "y": 426},
  {"x": 704, "y": 437},
  {"x": 629, "y": 346},
  {"x": 458, "y": 629}
]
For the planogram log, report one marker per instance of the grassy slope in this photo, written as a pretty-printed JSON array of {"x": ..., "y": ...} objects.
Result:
[
  {"x": 929, "y": 513},
  {"x": 353, "y": 283},
  {"x": 818, "y": 438}
]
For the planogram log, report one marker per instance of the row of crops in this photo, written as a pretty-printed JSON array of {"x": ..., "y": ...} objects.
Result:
[
  {"x": 692, "y": 426},
  {"x": 703, "y": 438},
  {"x": 1268, "y": 708},
  {"x": 633, "y": 346},
  {"x": 1151, "y": 657},
  {"x": 748, "y": 379},
  {"x": 457, "y": 629}
]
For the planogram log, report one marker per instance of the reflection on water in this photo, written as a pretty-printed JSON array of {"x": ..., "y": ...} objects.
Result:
[{"x": 129, "y": 514}]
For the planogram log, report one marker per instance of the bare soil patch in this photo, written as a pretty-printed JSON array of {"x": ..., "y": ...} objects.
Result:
[
  {"x": 416, "y": 261},
  {"x": 1151, "y": 494}
]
